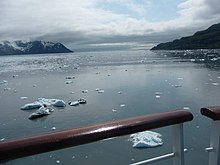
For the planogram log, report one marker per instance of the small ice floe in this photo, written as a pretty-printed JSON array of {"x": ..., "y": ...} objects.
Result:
[
  {"x": 122, "y": 105},
  {"x": 218, "y": 77},
  {"x": 215, "y": 84},
  {"x": 58, "y": 161},
  {"x": 53, "y": 128},
  {"x": 70, "y": 77},
  {"x": 74, "y": 103},
  {"x": 119, "y": 92},
  {"x": 214, "y": 59},
  {"x": 180, "y": 78},
  {"x": 30, "y": 106},
  {"x": 42, "y": 111},
  {"x": 68, "y": 82},
  {"x": 101, "y": 91},
  {"x": 82, "y": 101},
  {"x": 192, "y": 60},
  {"x": 7, "y": 89},
  {"x": 186, "y": 108},
  {"x": 114, "y": 110},
  {"x": 2, "y": 139},
  {"x": 146, "y": 139},
  {"x": 3, "y": 82},
  {"x": 177, "y": 86},
  {"x": 23, "y": 98},
  {"x": 85, "y": 91},
  {"x": 158, "y": 93},
  {"x": 157, "y": 96}
]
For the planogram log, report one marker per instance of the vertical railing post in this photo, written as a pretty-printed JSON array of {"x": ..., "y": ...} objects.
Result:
[
  {"x": 214, "y": 157},
  {"x": 178, "y": 144}
]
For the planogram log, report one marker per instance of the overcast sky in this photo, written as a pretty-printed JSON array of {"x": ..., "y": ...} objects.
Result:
[{"x": 96, "y": 24}]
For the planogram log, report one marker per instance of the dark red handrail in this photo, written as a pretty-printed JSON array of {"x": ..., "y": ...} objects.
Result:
[
  {"x": 73, "y": 137},
  {"x": 211, "y": 112}
]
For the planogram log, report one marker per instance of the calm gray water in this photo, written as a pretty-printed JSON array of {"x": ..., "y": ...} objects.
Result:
[{"x": 186, "y": 79}]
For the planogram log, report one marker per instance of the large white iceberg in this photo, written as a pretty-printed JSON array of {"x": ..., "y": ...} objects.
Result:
[
  {"x": 146, "y": 139},
  {"x": 42, "y": 101}
]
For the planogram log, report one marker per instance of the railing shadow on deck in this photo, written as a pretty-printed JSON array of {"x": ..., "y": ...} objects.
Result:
[{"x": 27, "y": 146}]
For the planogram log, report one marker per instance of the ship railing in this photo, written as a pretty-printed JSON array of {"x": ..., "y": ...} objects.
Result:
[
  {"x": 13, "y": 149},
  {"x": 214, "y": 114}
]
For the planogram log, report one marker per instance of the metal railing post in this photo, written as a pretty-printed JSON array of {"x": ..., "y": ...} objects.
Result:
[
  {"x": 178, "y": 144},
  {"x": 214, "y": 114},
  {"x": 214, "y": 157}
]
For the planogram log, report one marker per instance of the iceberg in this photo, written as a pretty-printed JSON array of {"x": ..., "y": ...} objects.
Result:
[
  {"x": 54, "y": 102},
  {"x": 42, "y": 101},
  {"x": 30, "y": 106},
  {"x": 146, "y": 139},
  {"x": 42, "y": 111}
]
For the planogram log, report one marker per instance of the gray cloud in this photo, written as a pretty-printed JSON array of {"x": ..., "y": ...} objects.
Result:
[{"x": 82, "y": 25}]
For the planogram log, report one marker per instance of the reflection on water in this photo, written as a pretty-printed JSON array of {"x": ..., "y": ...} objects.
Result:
[{"x": 143, "y": 82}]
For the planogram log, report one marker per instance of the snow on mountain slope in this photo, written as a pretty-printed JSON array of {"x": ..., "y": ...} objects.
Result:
[{"x": 31, "y": 47}]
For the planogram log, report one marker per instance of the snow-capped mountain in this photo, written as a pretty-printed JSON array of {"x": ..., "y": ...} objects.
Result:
[{"x": 31, "y": 47}]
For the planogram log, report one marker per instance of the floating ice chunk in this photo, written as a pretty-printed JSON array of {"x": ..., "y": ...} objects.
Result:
[
  {"x": 82, "y": 101},
  {"x": 186, "y": 108},
  {"x": 42, "y": 111},
  {"x": 54, "y": 102},
  {"x": 215, "y": 84},
  {"x": 70, "y": 77},
  {"x": 180, "y": 78},
  {"x": 119, "y": 92},
  {"x": 214, "y": 59},
  {"x": 53, "y": 128},
  {"x": 68, "y": 82},
  {"x": 85, "y": 91},
  {"x": 7, "y": 89},
  {"x": 97, "y": 89},
  {"x": 23, "y": 98},
  {"x": 42, "y": 101},
  {"x": 74, "y": 103},
  {"x": 3, "y": 82},
  {"x": 114, "y": 110},
  {"x": 146, "y": 139},
  {"x": 101, "y": 91},
  {"x": 30, "y": 106},
  {"x": 58, "y": 103},
  {"x": 122, "y": 105},
  {"x": 2, "y": 139},
  {"x": 192, "y": 60},
  {"x": 57, "y": 161},
  {"x": 157, "y": 96},
  {"x": 177, "y": 86},
  {"x": 158, "y": 93}
]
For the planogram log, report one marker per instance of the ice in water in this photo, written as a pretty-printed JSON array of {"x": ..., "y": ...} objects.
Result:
[
  {"x": 41, "y": 101},
  {"x": 146, "y": 139}
]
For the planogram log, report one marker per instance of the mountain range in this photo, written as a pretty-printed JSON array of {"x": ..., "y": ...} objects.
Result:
[
  {"x": 206, "y": 39},
  {"x": 31, "y": 47}
]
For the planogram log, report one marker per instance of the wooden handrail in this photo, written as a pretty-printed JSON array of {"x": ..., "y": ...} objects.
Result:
[
  {"x": 211, "y": 112},
  {"x": 13, "y": 149}
]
